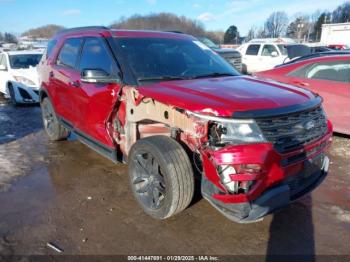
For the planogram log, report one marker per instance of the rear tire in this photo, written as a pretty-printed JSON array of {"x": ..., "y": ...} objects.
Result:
[
  {"x": 161, "y": 176},
  {"x": 12, "y": 95},
  {"x": 53, "y": 128}
]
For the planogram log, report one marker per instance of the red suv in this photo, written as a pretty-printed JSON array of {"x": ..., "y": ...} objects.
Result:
[{"x": 172, "y": 108}]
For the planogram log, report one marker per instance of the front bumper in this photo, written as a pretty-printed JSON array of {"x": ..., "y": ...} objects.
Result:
[
  {"x": 271, "y": 200},
  {"x": 281, "y": 179}
]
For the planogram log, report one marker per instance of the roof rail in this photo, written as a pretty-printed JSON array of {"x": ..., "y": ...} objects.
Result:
[{"x": 77, "y": 29}]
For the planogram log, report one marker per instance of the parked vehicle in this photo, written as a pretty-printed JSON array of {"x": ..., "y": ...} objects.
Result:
[
  {"x": 19, "y": 77},
  {"x": 320, "y": 49},
  {"x": 261, "y": 55},
  {"x": 229, "y": 54},
  {"x": 339, "y": 46},
  {"x": 165, "y": 104},
  {"x": 327, "y": 74}
]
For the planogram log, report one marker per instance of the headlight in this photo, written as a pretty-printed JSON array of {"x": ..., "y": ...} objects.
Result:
[
  {"x": 24, "y": 80},
  {"x": 232, "y": 131}
]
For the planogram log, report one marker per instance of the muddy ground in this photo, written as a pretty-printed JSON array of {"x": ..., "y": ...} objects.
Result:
[{"x": 66, "y": 194}]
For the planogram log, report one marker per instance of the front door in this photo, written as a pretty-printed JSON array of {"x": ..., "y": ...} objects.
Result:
[{"x": 93, "y": 102}]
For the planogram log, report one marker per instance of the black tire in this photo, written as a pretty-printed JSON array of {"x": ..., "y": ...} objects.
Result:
[
  {"x": 171, "y": 189},
  {"x": 53, "y": 128},
  {"x": 244, "y": 69},
  {"x": 12, "y": 95}
]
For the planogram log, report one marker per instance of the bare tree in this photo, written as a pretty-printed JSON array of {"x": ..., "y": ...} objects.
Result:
[
  {"x": 276, "y": 24},
  {"x": 261, "y": 33},
  {"x": 252, "y": 33},
  {"x": 342, "y": 13},
  {"x": 216, "y": 36}
]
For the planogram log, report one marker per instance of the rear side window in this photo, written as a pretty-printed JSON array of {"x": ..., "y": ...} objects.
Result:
[
  {"x": 253, "y": 50},
  {"x": 95, "y": 55},
  {"x": 69, "y": 52},
  {"x": 1, "y": 58},
  {"x": 332, "y": 71}
]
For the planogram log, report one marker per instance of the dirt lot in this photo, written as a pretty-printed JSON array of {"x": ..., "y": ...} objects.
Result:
[{"x": 66, "y": 194}]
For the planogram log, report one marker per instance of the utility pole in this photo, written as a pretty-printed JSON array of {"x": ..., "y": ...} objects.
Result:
[{"x": 300, "y": 27}]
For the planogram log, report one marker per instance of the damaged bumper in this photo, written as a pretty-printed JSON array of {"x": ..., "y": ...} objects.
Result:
[
  {"x": 281, "y": 181},
  {"x": 270, "y": 201}
]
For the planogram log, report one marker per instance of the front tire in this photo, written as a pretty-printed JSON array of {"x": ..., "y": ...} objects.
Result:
[
  {"x": 161, "y": 176},
  {"x": 53, "y": 128}
]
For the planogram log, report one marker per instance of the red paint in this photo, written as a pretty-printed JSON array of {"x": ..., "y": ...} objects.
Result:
[
  {"x": 336, "y": 94},
  {"x": 225, "y": 95}
]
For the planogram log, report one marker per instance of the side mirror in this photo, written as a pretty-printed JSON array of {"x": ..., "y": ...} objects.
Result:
[
  {"x": 3, "y": 68},
  {"x": 98, "y": 76},
  {"x": 274, "y": 54}
]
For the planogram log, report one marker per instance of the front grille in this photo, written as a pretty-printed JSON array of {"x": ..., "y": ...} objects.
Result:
[
  {"x": 236, "y": 62},
  {"x": 293, "y": 131}
]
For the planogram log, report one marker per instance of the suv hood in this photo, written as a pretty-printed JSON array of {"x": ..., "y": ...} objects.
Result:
[
  {"x": 31, "y": 73},
  {"x": 226, "y": 95}
]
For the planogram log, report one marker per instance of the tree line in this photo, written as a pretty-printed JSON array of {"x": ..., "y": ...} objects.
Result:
[
  {"x": 8, "y": 38},
  {"x": 167, "y": 22},
  {"x": 302, "y": 26}
]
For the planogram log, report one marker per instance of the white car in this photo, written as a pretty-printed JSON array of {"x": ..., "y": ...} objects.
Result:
[
  {"x": 260, "y": 56},
  {"x": 19, "y": 79}
]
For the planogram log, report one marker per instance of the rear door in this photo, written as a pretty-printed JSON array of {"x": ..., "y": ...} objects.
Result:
[
  {"x": 93, "y": 103},
  {"x": 63, "y": 76},
  {"x": 331, "y": 80}
]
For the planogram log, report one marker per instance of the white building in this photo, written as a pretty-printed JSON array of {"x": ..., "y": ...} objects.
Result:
[{"x": 335, "y": 34}]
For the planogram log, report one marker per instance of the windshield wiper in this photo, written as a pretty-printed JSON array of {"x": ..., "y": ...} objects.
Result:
[
  {"x": 213, "y": 75},
  {"x": 161, "y": 78}
]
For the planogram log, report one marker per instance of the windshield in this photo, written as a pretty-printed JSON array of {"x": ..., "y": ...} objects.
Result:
[
  {"x": 157, "y": 58},
  {"x": 24, "y": 61},
  {"x": 283, "y": 49}
]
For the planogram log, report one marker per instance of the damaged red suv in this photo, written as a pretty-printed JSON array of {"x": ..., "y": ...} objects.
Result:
[{"x": 172, "y": 108}]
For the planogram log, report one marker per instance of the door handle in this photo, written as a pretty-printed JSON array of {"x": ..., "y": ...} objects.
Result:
[{"x": 75, "y": 83}]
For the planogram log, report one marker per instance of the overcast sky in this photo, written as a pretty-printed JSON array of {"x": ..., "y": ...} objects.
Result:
[{"x": 20, "y": 15}]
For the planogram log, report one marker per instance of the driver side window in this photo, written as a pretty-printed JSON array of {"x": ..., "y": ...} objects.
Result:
[
  {"x": 268, "y": 50},
  {"x": 95, "y": 55}
]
